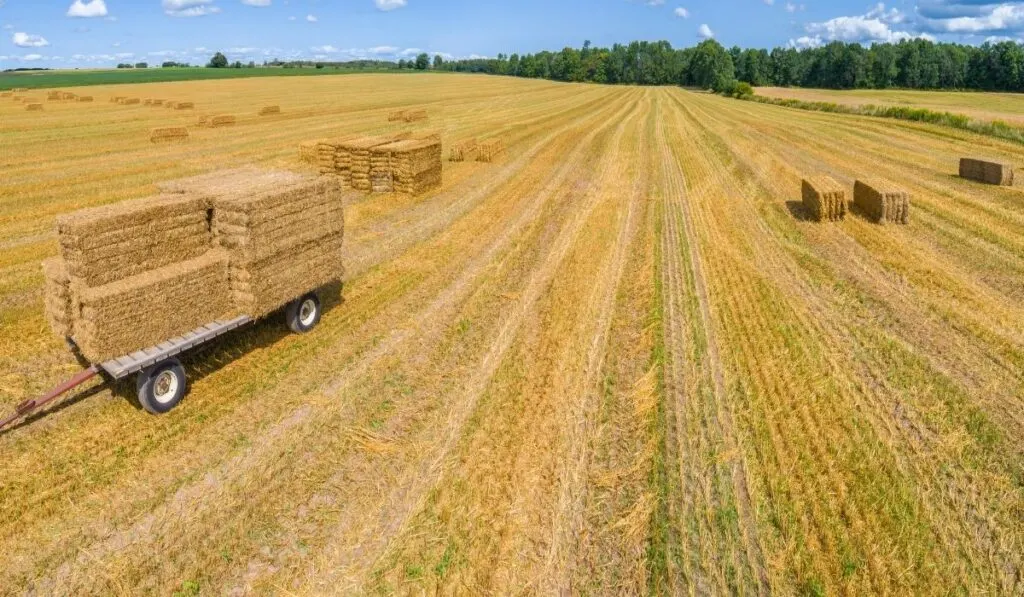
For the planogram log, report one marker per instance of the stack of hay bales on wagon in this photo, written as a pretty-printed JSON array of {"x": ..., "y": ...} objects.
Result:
[
  {"x": 990, "y": 172},
  {"x": 823, "y": 198},
  {"x": 136, "y": 273},
  {"x": 882, "y": 201}
]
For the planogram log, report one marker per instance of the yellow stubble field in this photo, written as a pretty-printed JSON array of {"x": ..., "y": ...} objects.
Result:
[{"x": 617, "y": 360}]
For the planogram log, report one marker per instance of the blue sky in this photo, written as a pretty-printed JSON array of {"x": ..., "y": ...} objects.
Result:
[{"x": 99, "y": 33}]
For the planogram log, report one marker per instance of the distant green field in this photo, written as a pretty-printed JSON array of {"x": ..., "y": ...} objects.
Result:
[{"x": 73, "y": 78}]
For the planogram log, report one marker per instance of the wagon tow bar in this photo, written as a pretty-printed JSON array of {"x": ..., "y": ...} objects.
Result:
[{"x": 28, "y": 406}]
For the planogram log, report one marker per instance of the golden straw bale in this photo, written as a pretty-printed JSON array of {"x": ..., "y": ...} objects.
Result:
[
  {"x": 130, "y": 101},
  {"x": 5, "y": 94},
  {"x": 415, "y": 115},
  {"x": 57, "y": 304},
  {"x": 222, "y": 120},
  {"x": 184, "y": 106},
  {"x": 143, "y": 310},
  {"x": 54, "y": 96},
  {"x": 84, "y": 98},
  {"x": 168, "y": 133},
  {"x": 489, "y": 150},
  {"x": 34, "y": 107},
  {"x": 882, "y": 201},
  {"x": 990, "y": 172},
  {"x": 464, "y": 150},
  {"x": 268, "y": 110},
  {"x": 396, "y": 116},
  {"x": 824, "y": 198},
  {"x": 157, "y": 102},
  {"x": 67, "y": 95},
  {"x": 111, "y": 242}
]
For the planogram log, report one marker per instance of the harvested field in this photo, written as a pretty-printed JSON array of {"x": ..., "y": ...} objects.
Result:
[{"x": 612, "y": 362}]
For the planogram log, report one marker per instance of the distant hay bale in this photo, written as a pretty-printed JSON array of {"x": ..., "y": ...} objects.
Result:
[
  {"x": 5, "y": 94},
  {"x": 54, "y": 96},
  {"x": 116, "y": 99},
  {"x": 204, "y": 120},
  {"x": 415, "y": 115},
  {"x": 19, "y": 89},
  {"x": 147, "y": 102},
  {"x": 67, "y": 95},
  {"x": 411, "y": 166},
  {"x": 489, "y": 150},
  {"x": 824, "y": 198},
  {"x": 34, "y": 107},
  {"x": 168, "y": 133},
  {"x": 268, "y": 110},
  {"x": 989, "y": 172},
  {"x": 222, "y": 120},
  {"x": 184, "y": 106},
  {"x": 84, "y": 98},
  {"x": 156, "y": 102},
  {"x": 131, "y": 101},
  {"x": 464, "y": 150},
  {"x": 882, "y": 201},
  {"x": 396, "y": 116}
]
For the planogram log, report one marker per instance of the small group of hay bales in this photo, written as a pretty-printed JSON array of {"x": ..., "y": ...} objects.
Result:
[
  {"x": 84, "y": 98},
  {"x": 153, "y": 102},
  {"x": 171, "y": 105},
  {"x": 269, "y": 110},
  {"x": 824, "y": 199},
  {"x": 59, "y": 96},
  {"x": 34, "y": 107},
  {"x": 878, "y": 200},
  {"x": 986, "y": 171},
  {"x": 464, "y": 150},
  {"x": 139, "y": 272},
  {"x": 488, "y": 151},
  {"x": 168, "y": 133},
  {"x": 383, "y": 164},
  {"x": 217, "y": 121}
]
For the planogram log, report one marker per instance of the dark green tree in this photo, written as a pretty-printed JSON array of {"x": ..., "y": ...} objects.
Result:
[
  {"x": 218, "y": 61},
  {"x": 422, "y": 61},
  {"x": 438, "y": 62}
]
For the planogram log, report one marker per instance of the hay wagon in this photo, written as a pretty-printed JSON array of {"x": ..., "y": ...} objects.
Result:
[{"x": 142, "y": 282}]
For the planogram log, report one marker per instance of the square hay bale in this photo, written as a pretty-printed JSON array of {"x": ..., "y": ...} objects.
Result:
[
  {"x": 34, "y": 107},
  {"x": 259, "y": 288},
  {"x": 415, "y": 165},
  {"x": 358, "y": 152},
  {"x": 184, "y": 106},
  {"x": 149, "y": 308},
  {"x": 488, "y": 151},
  {"x": 463, "y": 150},
  {"x": 67, "y": 95},
  {"x": 415, "y": 115},
  {"x": 882, "y": 201},
  {"x": 84, "y": 98},
  {"x": 54, "y": 96},
  {"x": 157, "y": 102},
  {"x": 989, "y": 172},
  {"x": 396, "y": 116},
  {"x": 222, "y": 120},
  {"x": 113, "y": 242},
  {"x": 268, "y": 110},
  {"x": 131, "y": 101},
  {"x": 168, "y": 133},
  {"x": 309, "y": 152},
  {"x": 57, "y": 303},
  {"x": 824, "y": 198},
  {"x": 147, "y": 102}
]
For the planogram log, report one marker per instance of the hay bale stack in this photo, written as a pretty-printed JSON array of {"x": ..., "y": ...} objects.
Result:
[
  {"x": 116, "y": 99},
  {"x": 882, "y": 201},
  {"x": 156, "y": 102},
  {"x": 358, "y": 153},
  {"x": 824, "y": 198},
  {"x": 415, "y": 115},
  {"x": 222, "y": 120},
  {"x": 168, "y": 133},
  {"x": 67, "y": 95},
  {"x": 54, "y": 96},
  {"x": 396, "y": 116},
  {"x": 143, "y": 310},
  {"x": 381, "y": 178},
  {"x": 34, "y": 107},
  {"x": 283, "y": 232},
  {"x": 415, "y": 165},
  {"x": 268, "y": 110},
  {"x": 112, "y": 242},
  {"x": 84, "y": 98},
  {"x": 147, "y": 102},
  {"x": 184, "y": 105},
  {"x": 489, "y": 150},
  {"x": 309, "y": 152},
  {"x": 989, "y": 172},
  {"x": 57, "y": 303},
  {"x": 131, "y": 101},
  {"x": 460, "y": 152}
]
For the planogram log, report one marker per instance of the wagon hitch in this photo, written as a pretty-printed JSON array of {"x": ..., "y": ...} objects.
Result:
[{"x": 28, "y": 406}]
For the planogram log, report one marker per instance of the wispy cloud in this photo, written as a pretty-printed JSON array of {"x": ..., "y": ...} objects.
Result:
[{"x": 189, "y": 8}]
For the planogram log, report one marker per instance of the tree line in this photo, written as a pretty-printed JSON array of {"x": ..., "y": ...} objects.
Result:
[{"x": 909, "y": 64}]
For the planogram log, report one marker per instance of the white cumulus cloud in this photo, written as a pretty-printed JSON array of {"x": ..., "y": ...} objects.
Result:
[
  {"x": 31, "y": 57},
  {"x": 705, "y": 31},
  {"x": 189, "y": 8},
  {"x": 682, "y": 13},
  {"x": 94, "y": 8},
  {"x": 26, "y": 40},
  {"x": 311, "y": 18},
  {"x": 389, "y": 4}
]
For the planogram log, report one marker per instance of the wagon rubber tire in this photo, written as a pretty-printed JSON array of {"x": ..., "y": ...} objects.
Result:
[
  {"x": 161, "y": 386},
  {"x": 303, "y": 313}
]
